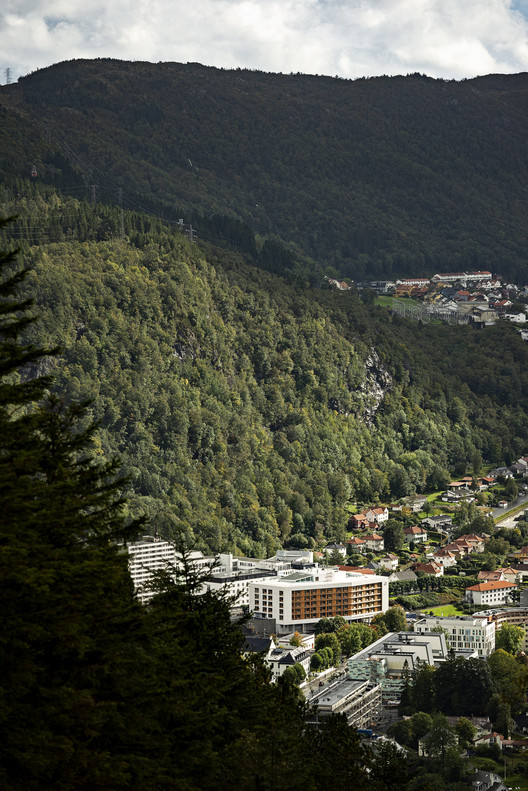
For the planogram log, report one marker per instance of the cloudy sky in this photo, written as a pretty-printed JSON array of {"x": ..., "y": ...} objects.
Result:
[{"x": 350, "y": 38}]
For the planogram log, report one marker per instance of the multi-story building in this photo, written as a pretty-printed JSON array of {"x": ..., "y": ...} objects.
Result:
[
  {"x": 390, "y": 660},
  {"x": 150, "y": 555},
  {"x": 298, "y": 600},
  {"x": 235, "y": 584},
  {"x": 518, "y": 616},
  {"x": 359, "y": 701},
  {"x": 473, "y": 632},
  {"x": 491, "y": 593}
]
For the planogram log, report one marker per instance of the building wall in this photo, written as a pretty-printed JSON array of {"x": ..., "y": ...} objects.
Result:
[
  {"x": 298, "y": 605},
  {"x": 491, "y": 597},
  {"x": 477, "y": 634}
]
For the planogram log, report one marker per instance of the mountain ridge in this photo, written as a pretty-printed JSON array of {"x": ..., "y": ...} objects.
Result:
[{"x": 373, "y": 177}]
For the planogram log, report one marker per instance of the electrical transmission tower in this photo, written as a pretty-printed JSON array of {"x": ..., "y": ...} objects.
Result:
[{"x": 7, "y": 73}]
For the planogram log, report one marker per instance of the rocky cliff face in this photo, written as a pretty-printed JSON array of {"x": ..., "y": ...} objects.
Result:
[{"x": 376, "y": 384}]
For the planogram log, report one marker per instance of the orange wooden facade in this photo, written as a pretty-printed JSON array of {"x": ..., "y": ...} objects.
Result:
[{"x": 328, "y": 602}]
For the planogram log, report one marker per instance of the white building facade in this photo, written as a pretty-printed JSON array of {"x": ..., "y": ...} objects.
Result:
[{"x": 476, "y": 633}]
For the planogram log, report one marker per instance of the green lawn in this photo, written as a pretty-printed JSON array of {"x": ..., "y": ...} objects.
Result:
[{"x": 443, "y": 609}]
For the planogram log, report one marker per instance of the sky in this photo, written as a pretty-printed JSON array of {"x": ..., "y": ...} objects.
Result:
[{"x": 452, "y": 39}]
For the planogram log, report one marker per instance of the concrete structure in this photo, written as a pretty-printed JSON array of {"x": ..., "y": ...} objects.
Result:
[
  {"x": 224, "y": 573},
  {"x": 470, "y": 632},
  {"x": 359, "y": 701},
  {"x": 146, "y": 557},
  {"x": 518, "y": 616},
  {"x": 236, "y": 584},
  {"x": 298, "y": 600},
  {"x": 391, "y": 658}
]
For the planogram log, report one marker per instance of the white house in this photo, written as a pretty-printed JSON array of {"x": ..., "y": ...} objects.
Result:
[
  {"x": 339, "y": 548},
  {"x": 281, "y": 659},
  {"x": 389, "y": 562},
  {"x": 445, "y": 557},
  {"x": 378, "y": 515},
  {"x": 416, "y": 534},
  {"x": 374, "y": 542}
]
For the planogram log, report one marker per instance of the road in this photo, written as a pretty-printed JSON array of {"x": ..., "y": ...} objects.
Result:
[{"x": 508, "y": 521}]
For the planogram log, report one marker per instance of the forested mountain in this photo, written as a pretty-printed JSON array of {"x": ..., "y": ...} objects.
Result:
[
  {"x": 372, "y": 177},
  {"x": 249, "y": 409}
]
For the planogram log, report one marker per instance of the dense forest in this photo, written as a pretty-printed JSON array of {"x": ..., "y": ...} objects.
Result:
[
  {"x": 250, "y": 409},
  {"x": 370, "y": 177},
  {"x": 99, "y": 692}
]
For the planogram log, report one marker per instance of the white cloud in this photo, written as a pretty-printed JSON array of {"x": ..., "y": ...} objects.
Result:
[{"x": 443, "y": 38}]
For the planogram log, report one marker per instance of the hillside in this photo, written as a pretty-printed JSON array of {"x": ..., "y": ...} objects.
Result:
[
  {"x": 249, "y": 411},
  {"x": 369, "y": 178}
]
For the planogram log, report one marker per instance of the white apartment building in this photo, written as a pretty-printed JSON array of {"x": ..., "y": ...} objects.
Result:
[
  {"x": 225, "y": 572},
  {"x": 145, "y": 558},
  {"x": 464, "y": 632},
  {"x": 296, "y": 601},
  {"x": 151, "y": 554},
  {"x": 491, "y": 593},
  {"x": 236, "y": 584}
]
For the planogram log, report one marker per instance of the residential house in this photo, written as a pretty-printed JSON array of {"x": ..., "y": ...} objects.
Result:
[
  {"x": 416, "y": 534},
  {"x": 488, "y": 739},
  {"x": 444, "y": 521},
  {"x": 339, "y": 548},
  {"x": 358, "y": 522},
  {"x": 456, "y": 486},
  {"x": 281, "y": 659},
  {"x": 454, "y": 497},
  {"x": 374, "y": 542},
  {"x": 519, "y": 469},
  {"x": 487, "y": 481},
  {"x": 403, "y": 576},
  {"x": 516, "y": 318},
  {"x": 257, "y": 644},
  {"x": 472, "y": 541},
  {"x": 415, "y": 502},
  {"x": 490, "y": 593},
  {"x": 487, "y": 781},
  {"x": 377, "y": 515},
  {"x": 505, "y": 472},
  {"x": 433, "y": 568},
  {"x": 491, "y": 576},
  {"x": 389, "y": 562},
  {"x": 511, "y": 575},
  {"x": 445, "y": 557},
  {"x": 356, "y": 543}
]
